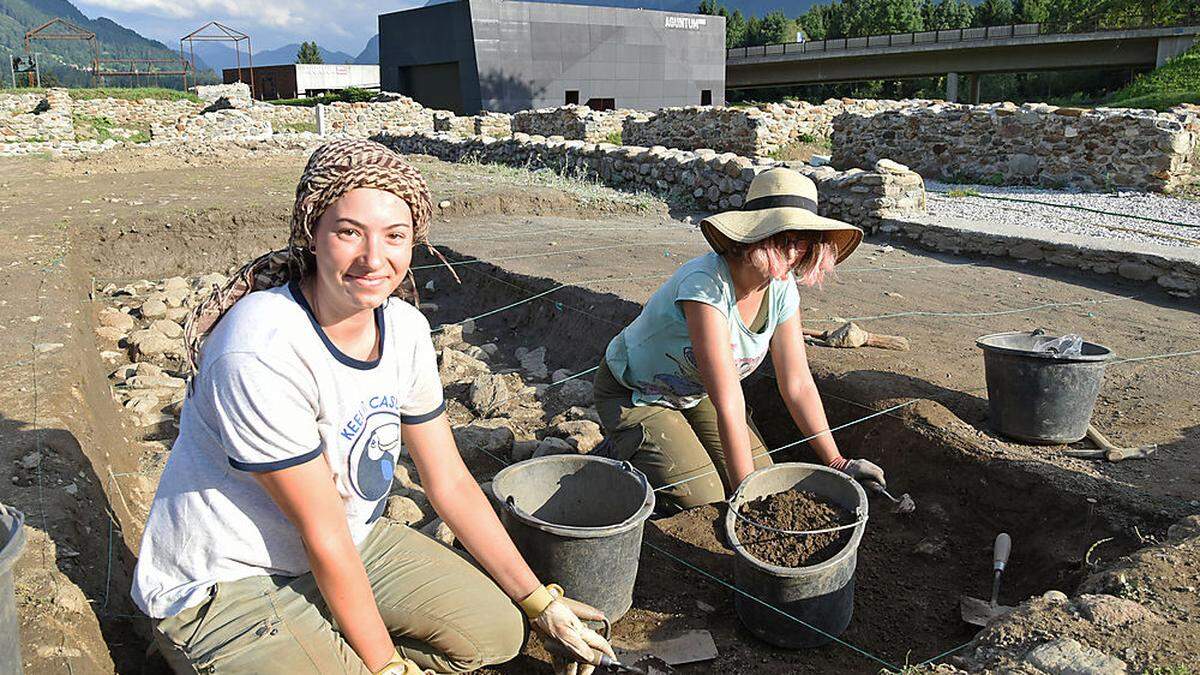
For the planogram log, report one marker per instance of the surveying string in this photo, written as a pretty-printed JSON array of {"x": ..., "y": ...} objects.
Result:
[
  {"x": 475, "y": 261},
  {"x": 795, "y": 443}
]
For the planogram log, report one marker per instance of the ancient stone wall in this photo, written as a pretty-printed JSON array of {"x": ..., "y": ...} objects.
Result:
[
  {"x": 496, "y": 125},
  {"x": 213, "y": 126},
  {"x": 136, "y": 114},
  {"x": 572, "y": 122},
  {"x": 709, "y": 179},
  {"x": 284, "y": 118},
  {"x": 1035, "y": 144},
  {"x": 211, "y": 92},
  {"x": 36, "y": 117},
  {"x": 364, "y": 119},
  {"x": 753, "y": 131}
]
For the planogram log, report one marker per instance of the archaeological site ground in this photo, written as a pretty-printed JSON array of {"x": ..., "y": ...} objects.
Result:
[{"x": 560, "y": 223}]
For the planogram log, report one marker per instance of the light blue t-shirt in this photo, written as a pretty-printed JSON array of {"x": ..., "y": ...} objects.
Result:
[{"x": 653, "y": 355}]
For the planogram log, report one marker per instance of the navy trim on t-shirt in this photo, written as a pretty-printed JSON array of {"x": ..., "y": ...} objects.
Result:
[
  {"x": 420, "y": 419},
  {"x": 262, "y": 467},
  {"x": 343, "y": 358}
]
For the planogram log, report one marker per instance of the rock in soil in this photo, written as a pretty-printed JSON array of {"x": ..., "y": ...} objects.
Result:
[
  {"x": 583, "y": 434},
  {"x": 533, "y": 362},
  {"x": 1065, "y": 656},
  {"x": 554, "y": 446},
  {"x": 403, "y": 510},
  {"x": 523, "y": 450},
  {"x": 488, "y": 393},
  {"x": 458, "y": 367},
  {"x": 793, "y": 510},
  {"x": 437, "y": 529}
]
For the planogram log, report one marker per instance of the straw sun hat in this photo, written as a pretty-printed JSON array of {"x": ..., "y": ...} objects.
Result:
[{"x": 780, "y": 200}]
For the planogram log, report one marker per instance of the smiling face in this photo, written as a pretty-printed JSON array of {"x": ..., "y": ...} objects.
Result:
[{"x": 363, "y": 248}]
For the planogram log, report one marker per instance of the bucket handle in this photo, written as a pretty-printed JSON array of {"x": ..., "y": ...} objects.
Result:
[
  {"x": 511, "y": 503},
  {"x": 629, "y": 468},
  {"x": 859, "y": 512}
]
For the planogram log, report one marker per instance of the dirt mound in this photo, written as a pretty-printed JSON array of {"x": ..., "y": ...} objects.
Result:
[{"x": 794, "y": 510}]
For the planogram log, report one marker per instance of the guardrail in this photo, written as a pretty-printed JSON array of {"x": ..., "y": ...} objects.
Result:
[{"x": 894, "y": 40}]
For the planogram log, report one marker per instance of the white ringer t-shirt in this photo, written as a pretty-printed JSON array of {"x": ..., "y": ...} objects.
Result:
[{"x": 272, "y": 392}]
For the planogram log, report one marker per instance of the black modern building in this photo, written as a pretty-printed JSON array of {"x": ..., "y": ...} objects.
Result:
[{"x": 508, "y": 55}]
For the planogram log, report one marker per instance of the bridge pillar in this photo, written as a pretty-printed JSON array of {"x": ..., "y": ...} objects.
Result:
[
  {"x": 952, "y": 87},
  {"x": 1169, "y": 47},
  {"x": 973, "y": 88}
]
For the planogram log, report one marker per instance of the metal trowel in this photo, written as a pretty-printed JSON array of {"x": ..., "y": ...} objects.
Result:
[{"x": 978, "y": 612}]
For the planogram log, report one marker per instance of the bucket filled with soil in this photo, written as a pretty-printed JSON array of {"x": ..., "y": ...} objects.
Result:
[
  {"x": 578, "y": 521},
  {"x": 796, "y": 529}
]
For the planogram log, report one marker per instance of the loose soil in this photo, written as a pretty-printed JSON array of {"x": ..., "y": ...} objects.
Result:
[
  {"x": 796, "y": 511},
  {"x": 72, "y": 227}
]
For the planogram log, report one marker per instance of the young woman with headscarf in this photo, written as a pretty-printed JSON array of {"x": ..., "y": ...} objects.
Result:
[{"x": 264, "y": 550}]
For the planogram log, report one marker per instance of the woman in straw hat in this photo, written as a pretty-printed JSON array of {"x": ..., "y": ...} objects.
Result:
[
  {"x": 264, "y": 551},
  {"x": 668, "y": 389}
]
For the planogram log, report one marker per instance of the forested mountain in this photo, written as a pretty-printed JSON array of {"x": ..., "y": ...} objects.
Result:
[{"x": 68, "y": 62}]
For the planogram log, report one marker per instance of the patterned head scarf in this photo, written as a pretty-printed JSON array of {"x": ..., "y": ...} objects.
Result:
[{"x": 334, "y": 169}]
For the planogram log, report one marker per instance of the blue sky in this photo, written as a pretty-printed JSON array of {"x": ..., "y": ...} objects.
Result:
[{"x": 343, "y": 25}]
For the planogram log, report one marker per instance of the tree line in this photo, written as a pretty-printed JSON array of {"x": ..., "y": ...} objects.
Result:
[{"x": 860, "y": 18}]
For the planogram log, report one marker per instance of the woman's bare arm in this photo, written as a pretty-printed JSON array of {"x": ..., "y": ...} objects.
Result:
[
  {"x": 798, "y": 390},
  {"x": 456, "y": 497},
  {"x": 708, "y": 329},
  {"x": 308, "y": 497}
]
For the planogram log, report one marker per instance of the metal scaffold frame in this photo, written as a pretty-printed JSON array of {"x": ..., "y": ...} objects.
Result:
[
  {"x": 67, "y": 31},
  {"x": 222, "y": 33}
]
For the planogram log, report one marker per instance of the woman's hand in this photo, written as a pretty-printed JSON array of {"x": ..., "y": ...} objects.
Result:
[
  {"x": 401, "y": 666},
  {"x": 861, "y": 470},
  {"x": 575, "y": 645}
]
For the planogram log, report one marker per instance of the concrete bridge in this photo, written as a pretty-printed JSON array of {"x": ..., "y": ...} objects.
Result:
[{"x": 966, "y": 51}]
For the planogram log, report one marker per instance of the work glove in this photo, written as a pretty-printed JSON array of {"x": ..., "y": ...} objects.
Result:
[
  {"x": 576, "y": 648},
  {"x": 401, "y": 666},
  {"x": 863, "y": 470}
]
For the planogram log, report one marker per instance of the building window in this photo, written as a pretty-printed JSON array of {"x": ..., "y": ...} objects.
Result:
[
  {"x": 602, "y": 103},
  {"x": 706, "y": 97},
  {"x": 572, "y": 97}
]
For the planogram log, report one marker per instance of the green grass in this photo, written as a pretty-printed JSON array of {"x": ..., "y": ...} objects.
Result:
[
  {"x": 1160, "y": 102},
  {"x": 101, "y": 130},
  {"x": 299, "y": 127},
  {"x": 614, "y": 138},
  {"x": 962, "y": 192},
  {"x": 347, "y": 95},
  {"x": 1170, "y": 670},
  {"x": 1176, "y": 81},
  {"x": 1179, "y": 75},
  {"x": 126, "y": 93}
]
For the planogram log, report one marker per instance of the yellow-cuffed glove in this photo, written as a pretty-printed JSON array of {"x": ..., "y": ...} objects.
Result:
[
  {"x": 398, "y": 665},
  {"x": 578, "y": 646}
]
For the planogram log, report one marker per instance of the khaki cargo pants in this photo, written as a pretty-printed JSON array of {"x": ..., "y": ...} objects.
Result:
[
  {"x": 669, "y": 445},
  {"x": 443, "y": 613}
]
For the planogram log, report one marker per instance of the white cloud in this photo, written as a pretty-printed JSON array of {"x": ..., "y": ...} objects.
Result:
[{"x": 343, "y": 24}]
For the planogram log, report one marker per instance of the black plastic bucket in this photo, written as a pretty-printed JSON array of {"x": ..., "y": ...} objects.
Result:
[
  {"x": 578, "y": 522},
  {"x": 1036, "y": 396},
  {"x": 12, "y": 543},
  {"x": 820, "y": 595}
]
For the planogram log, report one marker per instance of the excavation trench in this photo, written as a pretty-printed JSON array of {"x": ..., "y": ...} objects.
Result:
[{"x": 911, "y": 568}]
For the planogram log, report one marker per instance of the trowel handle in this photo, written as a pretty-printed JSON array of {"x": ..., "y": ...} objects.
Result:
[{"x": 1000, "y": 551}]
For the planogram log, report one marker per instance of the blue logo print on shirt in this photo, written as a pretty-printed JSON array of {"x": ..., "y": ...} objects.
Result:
[{"x": 371, "y": 462}]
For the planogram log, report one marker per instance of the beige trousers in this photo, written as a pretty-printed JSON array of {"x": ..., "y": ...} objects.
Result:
[
  {"x": 442, "y": 612},
  {"x": 678, "y": 448}
]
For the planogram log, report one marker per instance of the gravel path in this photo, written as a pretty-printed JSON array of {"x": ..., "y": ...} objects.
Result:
[{"x": 1056, "y": 212}]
